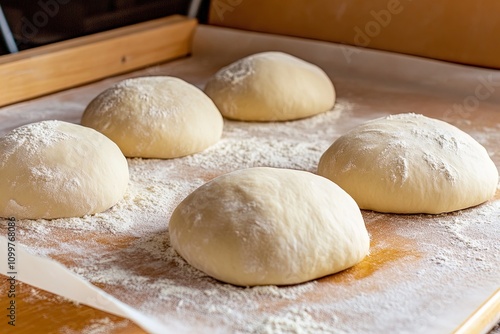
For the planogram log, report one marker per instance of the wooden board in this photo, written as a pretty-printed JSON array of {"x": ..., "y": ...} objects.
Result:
[
  {"x": 425, "y": 273},
  {"x": 439, "y": 30},
  {"x": 67, "y": 64}
]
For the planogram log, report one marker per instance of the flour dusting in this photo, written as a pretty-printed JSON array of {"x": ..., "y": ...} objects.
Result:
[
  {"x": 31, "y": 139},
  {"x": 126, "y": 250}
]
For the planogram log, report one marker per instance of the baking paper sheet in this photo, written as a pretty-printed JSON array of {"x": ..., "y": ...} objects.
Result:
[{"x": 51, "y": 276}]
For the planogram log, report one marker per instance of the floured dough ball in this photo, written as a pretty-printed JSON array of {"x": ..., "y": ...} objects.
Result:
[
  {"x": 54, "y": 169},
  {"x": 262, "y": 226},
  {"x": 410, "y": 163},
  {"x": 271, "y": 86},
  {"x": 155, "y": 117}
]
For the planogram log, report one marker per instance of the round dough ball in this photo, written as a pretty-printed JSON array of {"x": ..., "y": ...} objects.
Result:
[
  {"x": 55, "y": 169},
  {"x": 271, "y": 86},
  {"x": 410, "y": 163},
  {"x": 155, "y": 117},
  {"x": 262, "y": 226}
]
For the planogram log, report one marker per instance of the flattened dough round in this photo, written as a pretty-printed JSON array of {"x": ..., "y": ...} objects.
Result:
[
  {"x": 410, "y": 163},
  {"x": 262, "y": 226},
  {"x": 271, "y": 86},
  {"x": 54, "y": 169},
  {"x": 155, "y": 117}
]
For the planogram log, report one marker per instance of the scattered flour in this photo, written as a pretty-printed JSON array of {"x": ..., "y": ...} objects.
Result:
[
  {"x": 126, "y": 250},
  {"x": 98, "y": 326}
]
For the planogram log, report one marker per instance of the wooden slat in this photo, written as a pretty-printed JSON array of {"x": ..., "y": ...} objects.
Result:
[{"x": 55, "y": 67}]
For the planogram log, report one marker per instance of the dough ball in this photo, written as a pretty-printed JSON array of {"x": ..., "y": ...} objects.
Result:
[
  {"x": 155, "y": 117},
  {"x": 271, "y": 86},
  {"x": 262, "y": 226},
  {"x": 55, "y": 169},
  {"x": 410, "y": 163}
]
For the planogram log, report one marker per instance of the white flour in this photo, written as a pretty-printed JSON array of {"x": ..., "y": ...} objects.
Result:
[
  {"x": 126, "y": 250},
  {"x": 425, "y": 275},
  {"x": 237, "y": 72},
  {"x": 31, "y": 140}
]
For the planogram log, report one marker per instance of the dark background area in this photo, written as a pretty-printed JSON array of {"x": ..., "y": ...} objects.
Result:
[{"x": 39, "y": 22}]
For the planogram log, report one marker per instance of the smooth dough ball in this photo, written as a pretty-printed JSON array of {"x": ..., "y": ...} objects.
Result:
[
  {"x": 271, "y": 86},
  {"x": 155, "y": 117},
  {"x": 54, "y": 169},
  {"x": 262, "y": 226},
  {"x": 410, "y": 163}
]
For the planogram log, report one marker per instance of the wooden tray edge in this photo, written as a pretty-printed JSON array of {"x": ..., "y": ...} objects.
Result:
[
  {"x": 484, "y": 318},
  {"x": 71, "y": 63}
]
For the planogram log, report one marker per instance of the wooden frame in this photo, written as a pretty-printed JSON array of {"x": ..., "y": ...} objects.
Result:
[
  {"x": 484, "y": 318},
  {"x": 62, "y": 65}
]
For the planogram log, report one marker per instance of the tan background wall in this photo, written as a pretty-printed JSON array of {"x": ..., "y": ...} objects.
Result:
[{"x": 453, "y": 30}]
